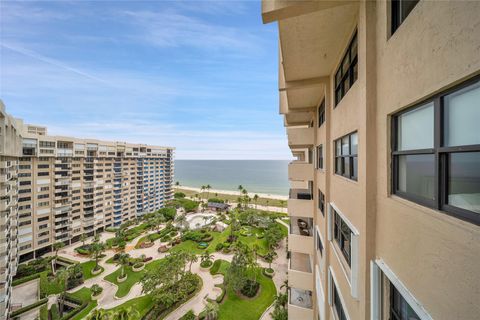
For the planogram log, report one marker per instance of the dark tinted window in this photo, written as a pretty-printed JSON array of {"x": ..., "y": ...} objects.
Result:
[
  {"x": 400, "y": 10},
  {"x": 399, "y": 308},
  {"x": 347, "y": 72},
  {"x": 343, "y": 236}
]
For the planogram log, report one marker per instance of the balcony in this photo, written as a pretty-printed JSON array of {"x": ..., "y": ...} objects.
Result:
[
  {"x": 300, "y": 203},
  {"x": 300, "y": 171},
  {"x": 300, "y": 304},
  {"x": 300, "y": 137},
  {"x": 300, "y": 271}
]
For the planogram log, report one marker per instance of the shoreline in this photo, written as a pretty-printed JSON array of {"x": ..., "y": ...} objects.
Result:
[{"x": 235, "y": 193}]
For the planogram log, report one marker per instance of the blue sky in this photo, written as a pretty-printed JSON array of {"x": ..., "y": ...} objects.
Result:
[{"x": 197, "y": 75}]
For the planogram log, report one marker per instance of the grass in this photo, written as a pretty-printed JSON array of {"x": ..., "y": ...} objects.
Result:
[
  {"x": 48, "y": 287},
  {"x": 235, "y": 307},
  {"x": 87, "y": 268},
  {"x": 233, "y": 198},
  {"x": 132, "y": 278},
  {"x": 219, "y": 267},
  {"x": 191, "y": 246}
]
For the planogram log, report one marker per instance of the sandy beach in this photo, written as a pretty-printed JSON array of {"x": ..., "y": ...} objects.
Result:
[{"x": 236, "y": 193}]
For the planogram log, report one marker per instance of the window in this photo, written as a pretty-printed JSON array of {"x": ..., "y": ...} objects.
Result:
[
  {"x": 319, "y": 244},
  {"x": 436, "y": 152},
  {"x": 43, "y": 166},
  {"x": 343, "y": 236},
  {"x": 43, "y": 174},
  {"x": 321, "y": 202},
  {"x": 400, "y": 10},
  {"x": 321, "y": 114},
  {"x": 346, "y": 161},
  {"x": 320, "y": 157},
  {"x": 399, "y": 308},
  {"x": 47, "y": 144},
  {"x": 347, "y": 72},
  {"x": 337, "y": 303}
]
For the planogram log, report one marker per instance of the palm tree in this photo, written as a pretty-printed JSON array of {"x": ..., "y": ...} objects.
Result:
[
  {"x": 203, "y": 190},
  {"x": 126, "y": 314},
  {"x": 208, "y": 187},
  {"x": 269, "y": 257},
  {"x": 255, "y": 199},
  {"x": 177, "y": 184},
  {"x": 96, "y": 289},
  {"x": 181, "y": 221},
  {"x": 83, "y": 238},
  {"x": 123, "y": 260},
  {"x": 245, "y": 196},
  {"x": 97, "y": 249},
  {"x": 62, "y": 277},
  {"x": 211, "y": 311},
  {"x": 206, "y": 256},
  {"x": 192, "y": 258},
  {"x": 57, "y": 246},
  {"x": 240, "y": 188},
  {"x": 284, "y": 285}
]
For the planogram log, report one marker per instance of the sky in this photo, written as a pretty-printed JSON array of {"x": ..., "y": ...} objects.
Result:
[{"x": 200, "y": 76}]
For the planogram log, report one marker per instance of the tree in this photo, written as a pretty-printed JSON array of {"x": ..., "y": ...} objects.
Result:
[
  {"x": 203, "y": 190},
  {"x": 211, "y": 311},
  {"x": 208, "y": 187},
  {"x": 206, "y": 256},
  {"x": 62, "y": 277},
  {"x": 122, "y": 261},
  {"x": 182, "y": 222},
  {"x": 273, "y": 234},
  {"x": 177, "y": 184},
  {"x": 96, "y": 289},
  {"x": 255, "y": 199},
  {"x": 239, "y": 270},
  {"x": 280, "y": 307},
  {"x": 240, "y": 188},
  {"x": 192, "y": 258},
  {"x": 83, "y": 238},
  {"x": 169, "y": 282},
  {"x": 96, "y": 249},
  {"x": 57, "y": 246},
  {"x": 269, "y": 257}
]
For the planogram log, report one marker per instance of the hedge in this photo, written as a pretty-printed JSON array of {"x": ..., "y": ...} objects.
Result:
[
  {"x": 44, "y": 312},
  {"x": 29, "y": 307},
  {"x": 25, "y": 279},
  {"x": 215, "y": 267},
  {"x": 54, "y": 315}
]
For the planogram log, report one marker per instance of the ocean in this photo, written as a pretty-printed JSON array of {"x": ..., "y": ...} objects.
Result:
[{"x": 262, "y": 176}]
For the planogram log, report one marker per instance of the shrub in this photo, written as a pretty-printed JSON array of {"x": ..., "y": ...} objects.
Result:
[
  {"x": 111, "y": 229},
  {"x": 216, "y": 266},
  {"x": 29, "y": 307},
  {"x": 216, "y": 200},
  {"x": 138, "y": 265},
  {"x": 207, "y": 237},
  {"x": 179, "y": 195},
  {"x": 188, "y": 316},
  {"x": 219, "y": 299},
  {"x": 165, "y": 238},
  {"x": 54, "y": 314},
  {"x": 16, "y": 282},
  {"x": 96, "y": 289},
  {"x": 192, "y": 235},
  {"x": 206, "y": 264},
  {"x": 147, "y": 259},
  {"x": 250, "y": 288},
  {"x": 219, "y": 246}
]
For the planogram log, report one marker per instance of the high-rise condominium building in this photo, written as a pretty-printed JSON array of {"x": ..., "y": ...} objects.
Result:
[
  {"x": 9, "y": 153},
  {"x": 381, "y": 101},
  {"x": 69, "y": 187}
]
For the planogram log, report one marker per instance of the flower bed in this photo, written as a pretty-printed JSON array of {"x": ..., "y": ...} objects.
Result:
[
  {"x": 206, "y": 264},
  {"x": 139, "y": 266},
  {"x": 269, "y": 272},
  {"x": 97, "y": 271},
  {"x": 120, "y": 280}
]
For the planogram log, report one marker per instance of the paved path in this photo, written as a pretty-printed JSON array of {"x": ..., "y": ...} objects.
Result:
[{"x": 197, "y": 303}]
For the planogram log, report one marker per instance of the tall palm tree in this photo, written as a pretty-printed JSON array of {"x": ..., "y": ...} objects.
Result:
[
  {"x": 181, "y": 221},
  {"x": 97, "y": 249},
  {"x": 177, "y": 184},
  {"x": 240, "y": 188},
  {"x": 245, "y": 196},
  {"x": 83, "y": 238},
  {"x": 255, "y": 199},
  {"x": 203, "y": 190},
  {"x": 208, "y": 187},
  {"x": 122, "y": 261},
  {"x": 192, "y": 258},
  {"x": 57, "y": 246},
  {"x": 62, "y": 277}
]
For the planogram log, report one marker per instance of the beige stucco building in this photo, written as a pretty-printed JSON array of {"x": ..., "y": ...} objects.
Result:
[
  {"x": 54, "y": 189},
  {"x": 381, "y": 104},
  {"x": 10, "y": 151}
]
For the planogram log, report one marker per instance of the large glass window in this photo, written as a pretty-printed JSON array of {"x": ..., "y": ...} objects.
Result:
[
  {"x": 346, "y": 161},
  {"x": 399, "y": 308},
  {"x": 343, "y": 236},
  {"x": 400, "y": 10},
  {"x": 347, "y": 72},
  {"x": 436, "y": 152}
]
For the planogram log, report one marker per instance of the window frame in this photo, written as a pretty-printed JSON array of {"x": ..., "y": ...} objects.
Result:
[
  {"x": 320, "y": 158},
  {"x": 396, "y": 12},
  {"x": 321, "y": 202},
  {"x": 353, "y": 62},
  {"x": 340, "y": 241},
  {"x": 321, "y": 113},
  {"x": 391, "y": 310},
  {"x": 350, "y": 155},
  {"x": 441, "y": 157}
]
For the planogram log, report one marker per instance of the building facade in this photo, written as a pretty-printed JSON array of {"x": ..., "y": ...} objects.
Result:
[
  {"x": 69, "y": 187},
  {"x": 10, "y": 151},
  {"x": 381, "y": 101}
]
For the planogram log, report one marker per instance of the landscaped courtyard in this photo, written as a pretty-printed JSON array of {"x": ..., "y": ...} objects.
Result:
[{"x": 177, "y": 263}]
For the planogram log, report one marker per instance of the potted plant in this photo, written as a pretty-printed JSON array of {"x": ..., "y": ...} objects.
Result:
[{"x": 96, "y": 291}]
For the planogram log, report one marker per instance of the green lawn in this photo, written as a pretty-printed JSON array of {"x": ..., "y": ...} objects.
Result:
[
  {"x": 233, "y": 198},
  {"x": 87, "y": 268},
  {"x": 235, "y": 307},
  {"x": 132, "y": 278},
  {"x": 48, "y": 286}
]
